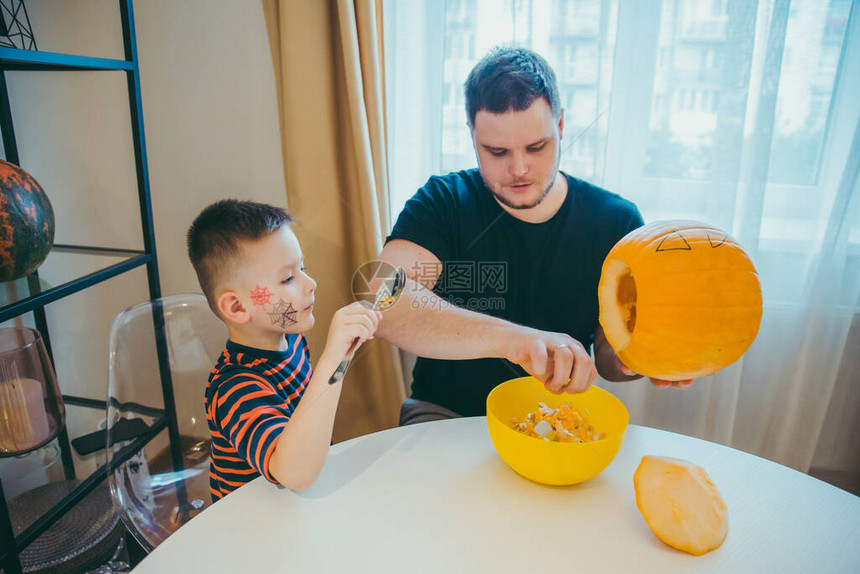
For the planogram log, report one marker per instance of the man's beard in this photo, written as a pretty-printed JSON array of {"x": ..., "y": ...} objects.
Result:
[{"x": 506, "y": 202}]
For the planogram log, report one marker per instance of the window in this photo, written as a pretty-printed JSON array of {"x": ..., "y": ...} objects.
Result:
[{"x": 663, "y": 104}]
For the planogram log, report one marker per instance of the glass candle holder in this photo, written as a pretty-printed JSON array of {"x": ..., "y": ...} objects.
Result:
[{"x": 31, "y": 406}]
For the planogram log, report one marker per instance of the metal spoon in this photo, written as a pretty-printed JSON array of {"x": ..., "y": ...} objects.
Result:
[{"x": 386, "y": 296}]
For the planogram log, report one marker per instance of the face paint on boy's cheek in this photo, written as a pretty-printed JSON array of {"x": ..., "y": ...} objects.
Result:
[
  {"x": 283, "y": 314},
  {"x": 260, "y": 296}
]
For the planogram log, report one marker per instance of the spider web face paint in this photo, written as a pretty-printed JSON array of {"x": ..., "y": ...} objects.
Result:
[
  {"x": 260, "y": 296},
  {"x": 283, "y": 314}
]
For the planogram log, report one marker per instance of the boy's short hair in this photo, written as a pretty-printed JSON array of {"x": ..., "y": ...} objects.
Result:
[
  {"x": 510, "y": 78},
  {"x": 215, "y": 236}
]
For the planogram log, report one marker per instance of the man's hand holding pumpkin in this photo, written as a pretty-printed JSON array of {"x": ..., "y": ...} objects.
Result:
[{"x": 660, "y": 383}]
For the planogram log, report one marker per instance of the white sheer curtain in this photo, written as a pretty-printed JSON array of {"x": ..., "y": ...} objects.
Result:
[{"x": 740, "y": 113}]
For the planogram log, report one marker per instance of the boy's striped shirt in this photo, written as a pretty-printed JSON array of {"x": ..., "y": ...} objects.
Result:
[{"x": 250, "y": 396}]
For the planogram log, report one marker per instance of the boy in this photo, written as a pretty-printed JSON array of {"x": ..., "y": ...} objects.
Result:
[{"x": 270, "y": 413}]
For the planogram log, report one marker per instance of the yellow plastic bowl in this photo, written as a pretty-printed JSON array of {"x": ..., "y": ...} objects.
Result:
[{"x": 554, "y": 463}]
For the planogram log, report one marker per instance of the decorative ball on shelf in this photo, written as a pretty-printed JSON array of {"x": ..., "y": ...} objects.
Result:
[
  {"x": 26, "y": 223},
  {"x": 679, "y": 300}
]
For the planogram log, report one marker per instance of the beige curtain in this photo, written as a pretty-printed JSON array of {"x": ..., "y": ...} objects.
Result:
[{"x": 328, "y": 64}]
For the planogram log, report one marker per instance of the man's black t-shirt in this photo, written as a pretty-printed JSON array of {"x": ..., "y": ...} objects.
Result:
[{"x": 543, "y": 275}]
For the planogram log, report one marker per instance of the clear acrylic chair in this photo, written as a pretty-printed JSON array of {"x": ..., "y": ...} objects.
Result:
[{"x": 159, "y": 487}]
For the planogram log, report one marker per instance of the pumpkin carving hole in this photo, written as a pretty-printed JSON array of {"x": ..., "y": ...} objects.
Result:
[
  {"x": 626, "y": 297},
  {"x": 617, "y": 294}
]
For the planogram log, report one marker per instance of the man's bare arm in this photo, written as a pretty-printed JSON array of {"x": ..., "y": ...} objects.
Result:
[
  {"x": 608, "y": 364},
  {"x": 426, "y": 325}
]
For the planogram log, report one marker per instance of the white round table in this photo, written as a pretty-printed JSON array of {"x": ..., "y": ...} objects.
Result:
[{"x": 436, "y": 497}]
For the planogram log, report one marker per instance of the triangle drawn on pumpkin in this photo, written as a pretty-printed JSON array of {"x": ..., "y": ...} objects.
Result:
[
  {"x": 673, "y": 242},
  {"x": 716, "y": 241}
]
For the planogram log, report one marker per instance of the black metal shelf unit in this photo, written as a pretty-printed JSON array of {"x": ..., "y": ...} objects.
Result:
[{"x": 37, "y": 297}]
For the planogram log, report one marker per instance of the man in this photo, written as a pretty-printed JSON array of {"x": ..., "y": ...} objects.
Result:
[{"x": 516, "y": 239}]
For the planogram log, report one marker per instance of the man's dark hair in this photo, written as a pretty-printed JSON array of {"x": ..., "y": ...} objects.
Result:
[
  {"x": 510, "y": 78},
  {"x": 215, "y": 236}
]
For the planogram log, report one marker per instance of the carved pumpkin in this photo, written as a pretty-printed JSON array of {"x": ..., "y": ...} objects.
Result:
[
  {"x": 26, "y": 223},
  {"x": 679, "y": 300}
]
